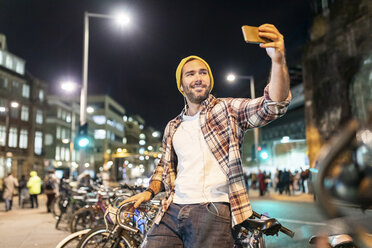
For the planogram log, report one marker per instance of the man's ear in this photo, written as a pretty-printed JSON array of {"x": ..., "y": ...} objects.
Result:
[{"x": 181, "y": 87}]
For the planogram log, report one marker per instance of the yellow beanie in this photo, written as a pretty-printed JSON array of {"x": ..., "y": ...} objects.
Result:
[{"x": 183, "y": 62}]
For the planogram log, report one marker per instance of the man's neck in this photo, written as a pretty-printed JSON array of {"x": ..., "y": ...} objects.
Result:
[{"x": 193, "y": 108}]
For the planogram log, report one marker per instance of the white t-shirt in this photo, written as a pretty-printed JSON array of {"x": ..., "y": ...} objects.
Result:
[{"x": 199, "y": 176}]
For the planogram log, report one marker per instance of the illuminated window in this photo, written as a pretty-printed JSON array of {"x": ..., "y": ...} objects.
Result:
[
  {"x": 99, "y": 119},
  {"x": 58, "y": 153},
  {"x": 26, "y": 91},
  {"x": 23, "y": 139},
  {"x": 24, "y": 113},
  {"x": 68, "y": 118},
  {"x": 2, "y": 135},
  {"x": 41, "y": 95},
  {"x": 38, "y": 142},
  {"x": 63, "y": 153},
  {"x": 63, "y": 133},
  {"x": 100, "y": 134},
  {"x": 48, "y": 139},
  {"x": 58, "y": 133},
  {"x": 39, "y": 116},
  {"x": 20, "y": 67},
  {"x": 13, "y": 137},
  {"x": 8, "y": 62}
]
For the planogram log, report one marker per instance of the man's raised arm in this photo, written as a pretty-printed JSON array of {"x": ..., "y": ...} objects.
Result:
[{"x": 279, "y": 78}]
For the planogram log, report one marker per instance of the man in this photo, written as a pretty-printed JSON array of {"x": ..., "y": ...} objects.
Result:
[
  {"x": 51, "y": 188},
  {"x": 10, "y": 183},
  {"x": 200, "y": 168},
  {"x": 34, "y": 187}
]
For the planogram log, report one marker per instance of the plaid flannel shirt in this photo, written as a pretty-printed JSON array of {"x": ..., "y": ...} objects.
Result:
[{"x": 223, "y": 122}]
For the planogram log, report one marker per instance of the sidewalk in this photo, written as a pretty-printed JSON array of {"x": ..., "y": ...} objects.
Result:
[{"x": 24, "y": 228}]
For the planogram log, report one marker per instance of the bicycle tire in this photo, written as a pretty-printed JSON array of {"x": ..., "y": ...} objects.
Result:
[
  {"x": 72, "y": 240},
  {"x": 106, "y": 239},
  {"x": 85, "y": 215}
]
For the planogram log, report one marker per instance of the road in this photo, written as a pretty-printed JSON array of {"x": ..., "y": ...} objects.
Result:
[{"x": 301, "y": 217}]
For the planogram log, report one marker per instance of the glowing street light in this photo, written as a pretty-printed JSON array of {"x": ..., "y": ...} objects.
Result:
[
  {"x": 90, "y": 110},
  {"x": 122, "y": 19},
  {"x": 231, "y": 77},
  {"x": 69, "y": 86},
  {"x": 14, "y": 104}
]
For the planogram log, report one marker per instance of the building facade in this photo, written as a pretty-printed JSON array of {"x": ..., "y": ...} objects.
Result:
[
  {"x": 337, "y": 65},
  {"x": 22, "y": 117}
]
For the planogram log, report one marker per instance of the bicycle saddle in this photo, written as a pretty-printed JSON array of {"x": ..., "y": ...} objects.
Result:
[{"x": 268, "y": 226}]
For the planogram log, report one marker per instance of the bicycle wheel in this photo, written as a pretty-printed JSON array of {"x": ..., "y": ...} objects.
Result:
[
  {"x": 72, "y": 240},
  {"x": 99, "y": 237},
  {"x": 85, "y": 218}
]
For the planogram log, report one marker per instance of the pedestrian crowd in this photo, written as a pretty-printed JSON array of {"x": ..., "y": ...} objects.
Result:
[
  {"x": 27, "y": 189},
  {"x": 282, "y": 181}
]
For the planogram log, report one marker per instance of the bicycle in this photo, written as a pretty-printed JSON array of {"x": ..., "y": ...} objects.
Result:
[
  {"x": 68, "y": 203},
  {"x": 129, "y": 228},
  {"x": 72, "y": 240},
  {"x": 343, "y": 181},
  {"x": 251, "y": 234},
  {"x": 92, "y": 214}
]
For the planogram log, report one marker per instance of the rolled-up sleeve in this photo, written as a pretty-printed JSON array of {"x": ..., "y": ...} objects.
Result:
[{"x": 252, "y": 113}]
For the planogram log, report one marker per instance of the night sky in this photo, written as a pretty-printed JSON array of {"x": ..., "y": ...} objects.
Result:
[{"x": 136, "y": 65}]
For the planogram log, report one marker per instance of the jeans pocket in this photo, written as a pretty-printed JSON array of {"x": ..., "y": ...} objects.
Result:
[{"x": 219, "y": 210}]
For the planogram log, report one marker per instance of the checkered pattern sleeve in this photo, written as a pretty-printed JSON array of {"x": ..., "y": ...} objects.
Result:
[{"x": 251, "y": 113}]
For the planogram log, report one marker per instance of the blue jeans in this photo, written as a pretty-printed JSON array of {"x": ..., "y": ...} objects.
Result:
[
  {"x": 8, "y": 204},
  {"x": 191, "y": 226}
]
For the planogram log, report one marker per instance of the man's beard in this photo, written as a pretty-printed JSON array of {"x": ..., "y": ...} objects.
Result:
[{"x": 196, "y": 98}]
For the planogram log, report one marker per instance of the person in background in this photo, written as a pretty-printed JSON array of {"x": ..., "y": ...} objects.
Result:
[
  {"x": 261, "y": 182},
  {"x": 34, "y": 187},
  {"x": 51, "y": 188},
  {"x": 10, "y": 183},
  {"x": 22, "y": 191}
]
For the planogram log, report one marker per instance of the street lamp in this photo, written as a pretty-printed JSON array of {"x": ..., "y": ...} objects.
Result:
[
  {"x": 121, "y": 19},
  {"x": 69, "y": 86},
  {"x": 231, "y": 78}
]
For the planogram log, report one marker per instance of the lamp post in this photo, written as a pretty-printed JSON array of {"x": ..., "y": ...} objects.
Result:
[
  {"x": 122, "y": 20},
  {"x": 232, "y": 78}
]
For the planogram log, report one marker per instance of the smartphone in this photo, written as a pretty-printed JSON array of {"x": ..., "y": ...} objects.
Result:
[{"x": 250, "y": 34}]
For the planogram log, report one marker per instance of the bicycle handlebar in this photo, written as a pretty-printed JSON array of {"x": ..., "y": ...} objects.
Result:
[{"x": 283, "y": 229}]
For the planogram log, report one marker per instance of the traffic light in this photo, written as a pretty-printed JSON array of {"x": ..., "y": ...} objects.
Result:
[
  {"x": 82, "y": 139},
  {"x": 263, "y": 152}
]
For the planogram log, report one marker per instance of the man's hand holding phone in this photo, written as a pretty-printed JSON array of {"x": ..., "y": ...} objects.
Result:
[
  {"x": 275, "y": 49},
  {"x": 268, "y": 36}
]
